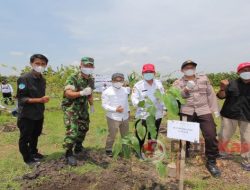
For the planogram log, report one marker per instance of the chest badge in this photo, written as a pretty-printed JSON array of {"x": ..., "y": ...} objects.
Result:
[{"x": 21, "y": 86}]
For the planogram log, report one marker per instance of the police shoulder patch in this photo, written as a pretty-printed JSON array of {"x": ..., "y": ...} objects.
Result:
[{"x": 21, "y": 86}]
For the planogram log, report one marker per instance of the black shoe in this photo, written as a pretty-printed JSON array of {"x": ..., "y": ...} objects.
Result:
[
  {"x": 32, "y": 163},
  {"x": 224, "y": 156},
  {"x": 213, "y": 169},
  {"x": 78, "y": 149},
  {"x": 37, "y": 156},
  {"x": 109, "y": 153},
  {"x": 245, "y": 167},
  {"x": 71, "y": 160},
  {"x": 14, "y": 113}
]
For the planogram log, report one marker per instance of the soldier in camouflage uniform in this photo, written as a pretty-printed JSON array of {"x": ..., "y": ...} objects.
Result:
[{"x": 75, "y": 104}]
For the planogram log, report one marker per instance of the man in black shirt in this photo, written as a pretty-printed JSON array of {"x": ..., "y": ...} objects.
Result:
[
  {"x": 236, "y": 112},
  {"x": 31, "y": 98}
]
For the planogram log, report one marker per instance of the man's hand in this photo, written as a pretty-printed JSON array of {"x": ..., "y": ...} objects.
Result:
[
  {"x": 86, "y": 91},
  {"x": 44, "y": 99},
  {"x": 119, "y": 109},
  {"x": 224, "y": 84},
  {"x": 190, "y": 85}
]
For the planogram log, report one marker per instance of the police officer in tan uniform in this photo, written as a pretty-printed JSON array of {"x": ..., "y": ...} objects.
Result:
[{"x": 201, "y": 103}]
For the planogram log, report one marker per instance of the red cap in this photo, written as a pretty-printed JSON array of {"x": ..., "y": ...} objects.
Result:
[
  {"x": 148, "y": 68},
  {"x": 242, "y": 66}
]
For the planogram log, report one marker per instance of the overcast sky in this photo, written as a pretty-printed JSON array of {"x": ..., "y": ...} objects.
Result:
[{"x": 122, "y": 35}]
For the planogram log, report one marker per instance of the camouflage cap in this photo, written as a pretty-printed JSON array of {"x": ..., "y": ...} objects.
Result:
[{"x": 87, "y": 60}]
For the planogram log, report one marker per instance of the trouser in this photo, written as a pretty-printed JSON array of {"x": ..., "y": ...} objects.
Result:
[
  {"x": 228, "y": 128},
  {"x": 113, "y": 127},
  {"x": 208, "y": 129},
  {"x": 144, "y": 123},
  {"x": 76, "y": 130},
  {"x": 30, "y": 130},
  {"x": 7, "y": 97}
]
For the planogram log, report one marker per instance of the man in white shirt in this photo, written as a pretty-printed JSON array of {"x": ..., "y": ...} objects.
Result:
[
  {"x": 115, "y": 103},
  {"x": 146, "y": 88},
  {"x": 7, "y": 91}
]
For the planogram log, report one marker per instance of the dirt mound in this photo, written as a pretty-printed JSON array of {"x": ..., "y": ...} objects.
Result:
[
  {"x": 127, "y": 174},
  {"x": 121, "y": 174},
  {"x": 231, "y": 172},
  {"x": 8, "y": 127}
]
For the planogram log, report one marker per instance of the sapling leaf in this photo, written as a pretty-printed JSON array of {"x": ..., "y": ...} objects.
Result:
[
  {"x": 150, "y": 121},
  {"x": 126, "y": 151},
  {"x": 135, "y": 144},
  {"x": 177, "y": 94},
  {"x": 151, "y": 110},
  {"x": 126, "y": 140},
  {"x": 141, "y": 130},
  {"x": 117, "y": 148},
  {"x": 171, "y": 104},
  {"x": 141, "y": 104},
  {"x": 159, "y": 95},
  {"x": 161, "y": 169}
]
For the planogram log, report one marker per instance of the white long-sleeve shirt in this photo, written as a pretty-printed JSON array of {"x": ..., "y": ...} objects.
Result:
[
  {"x": 142, "y": 90},
  {"x": 6, "y": 88},
  {"x": 111, "y": 99}
]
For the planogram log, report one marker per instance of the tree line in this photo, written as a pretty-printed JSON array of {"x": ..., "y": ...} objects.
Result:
[{"x": 56, "y": 78}]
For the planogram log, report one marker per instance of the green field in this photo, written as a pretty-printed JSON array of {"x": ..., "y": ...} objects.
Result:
[{"x": 50, "y": 143}]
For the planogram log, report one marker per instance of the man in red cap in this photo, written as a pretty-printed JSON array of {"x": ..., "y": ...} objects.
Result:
[
  {"x": 236, "y": 112},
  {"x": 144, "y": 89}
]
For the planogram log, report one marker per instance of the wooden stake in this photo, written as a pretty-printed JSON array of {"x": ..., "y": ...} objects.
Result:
[{"x": 181, "y": 159}]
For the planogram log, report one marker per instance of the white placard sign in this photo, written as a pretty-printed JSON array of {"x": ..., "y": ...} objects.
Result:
[{"x": 182, "y": 130}]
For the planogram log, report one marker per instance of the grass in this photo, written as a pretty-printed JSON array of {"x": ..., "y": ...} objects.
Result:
[
  {"x": 50, "y": 143},
  {"x": 84, "y": 169},
  {"x": 198, "y": 184}
]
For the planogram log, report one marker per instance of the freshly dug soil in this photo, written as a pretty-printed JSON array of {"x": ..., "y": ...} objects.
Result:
[{"x": 121, "y": 174}]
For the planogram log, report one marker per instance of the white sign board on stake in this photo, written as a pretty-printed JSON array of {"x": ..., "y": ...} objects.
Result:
[{"x": 183, "y": 130}]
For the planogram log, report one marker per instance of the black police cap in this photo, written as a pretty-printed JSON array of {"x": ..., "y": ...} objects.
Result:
[{"x": 188, "y": 62}]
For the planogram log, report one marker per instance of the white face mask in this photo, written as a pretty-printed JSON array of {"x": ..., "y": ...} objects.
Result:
[
  {"x": 148, "y": 76},
  {"x": 117, "y": 84},
  {"x": 245, "y": 75},
  {"x": 87, "y": 71},
  {"x": 189, "y": 72},
  {"x": 39, "y": 69}
]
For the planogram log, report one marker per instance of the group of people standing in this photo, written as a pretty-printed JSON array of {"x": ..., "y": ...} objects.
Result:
[{"x": 201, "y": 106}]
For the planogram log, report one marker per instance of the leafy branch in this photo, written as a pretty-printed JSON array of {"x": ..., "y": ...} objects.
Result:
[{"x": 126, "y": 145}]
